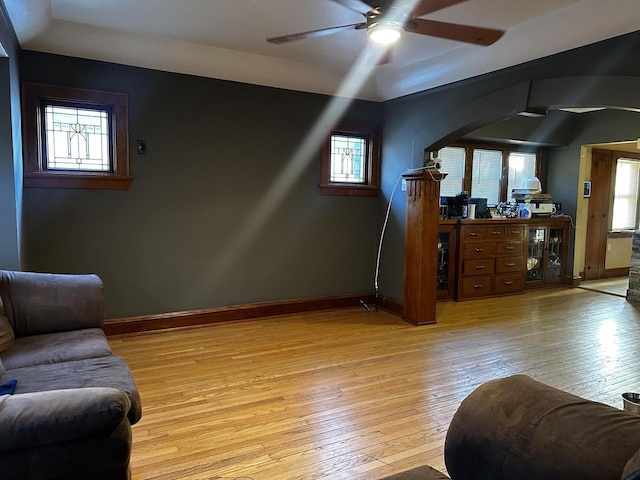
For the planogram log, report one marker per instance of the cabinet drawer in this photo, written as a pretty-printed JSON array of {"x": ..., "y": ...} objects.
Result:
[
  {"x": 509, "y": 264},
  {"x": 514, "y": 232},
  {"x": 478, "y": 250},
  {"x": 484, "y": 266},
  {"x": 473, "y": 233},
  {"x": 509, "y": 248},
  {"x": 476, "y": 286},
  {"x": 494, "y": 233},
  {"x": 510, "y": 282}
]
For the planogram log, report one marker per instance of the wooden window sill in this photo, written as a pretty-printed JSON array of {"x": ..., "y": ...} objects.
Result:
[{"x": 77, "y": 180}]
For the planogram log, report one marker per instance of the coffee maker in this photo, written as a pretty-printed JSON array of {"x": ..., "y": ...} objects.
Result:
[{"x": 456, "y": 207}]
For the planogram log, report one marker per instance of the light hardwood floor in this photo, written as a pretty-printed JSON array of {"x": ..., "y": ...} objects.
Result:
[{"x": 352, "y": 394}]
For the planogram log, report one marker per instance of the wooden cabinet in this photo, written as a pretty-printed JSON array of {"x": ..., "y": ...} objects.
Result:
[
  {"x": 492, "y": 260},
  {"x": 467, "y": 259}
]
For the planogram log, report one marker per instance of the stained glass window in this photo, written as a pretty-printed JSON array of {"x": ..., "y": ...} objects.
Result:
[
  {"x": 351, "y": 159},
  {"x": 77, "y": 139},
  {"x": 348, "y": 154},
  {"x": 74, "y": 138}
]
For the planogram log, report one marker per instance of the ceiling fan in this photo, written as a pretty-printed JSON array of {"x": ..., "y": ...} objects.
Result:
[{"x": 386, "y": 22}]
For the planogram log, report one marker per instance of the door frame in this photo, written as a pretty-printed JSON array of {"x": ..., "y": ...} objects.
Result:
[
  {"x": 600, "y": 209},
  {"x": 595, "y": 254}
]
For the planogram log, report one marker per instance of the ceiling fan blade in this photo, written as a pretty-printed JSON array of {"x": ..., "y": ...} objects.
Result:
[
  {"x": 428, "y": 6},
  {"x": 453, "y": 31},
  {"x": 316, "y": 33},
  {"x": 355, "y": 5}
]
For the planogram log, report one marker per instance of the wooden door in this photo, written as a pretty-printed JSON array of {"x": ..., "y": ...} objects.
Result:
[{"x": 598, "y": 220}]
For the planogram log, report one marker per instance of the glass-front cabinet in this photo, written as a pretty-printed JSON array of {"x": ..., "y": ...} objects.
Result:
[
  {"x": 535, "y": 253},
  {"x": 546, "y": 259},
  {"x": 446, "y": 262},
  {"x": 555, "y": 250}
]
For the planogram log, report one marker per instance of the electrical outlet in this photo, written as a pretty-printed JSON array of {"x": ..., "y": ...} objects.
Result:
[{"x": 403, "y": 187}]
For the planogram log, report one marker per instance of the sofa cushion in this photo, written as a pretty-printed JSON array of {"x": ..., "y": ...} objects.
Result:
[
  {"x": 37, "y": 303},
  {"x": 109, "y": 371},
  {"x": 56, "y": 348},
  {"x": 43, "y": 418},
  {"x": 517, "y": 428},
  {"x": 101, "y": 456},
  {"x": 6, "y": 333},
  {"x": 554, "y": 438}
]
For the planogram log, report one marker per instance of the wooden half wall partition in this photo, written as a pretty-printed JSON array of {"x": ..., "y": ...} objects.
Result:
[
  {"x": 193, "y": 318},
  {"x": 421, "y": 245}
]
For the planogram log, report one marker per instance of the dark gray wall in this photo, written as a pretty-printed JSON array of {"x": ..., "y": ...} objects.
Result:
[
  {"x": 603, "y": 74},
  {"x": 193, "y": 231},
  {"x": 554, "y": 129},
  {"x": 10, "y": 149},
  {"x": 217, "y": 215},
  {"x": 589, "y": 128}
]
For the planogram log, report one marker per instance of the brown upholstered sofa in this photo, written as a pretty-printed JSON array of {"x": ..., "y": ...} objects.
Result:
[
  {"x": 74, "y": 402},
  {"x": 516, "y": 428}
]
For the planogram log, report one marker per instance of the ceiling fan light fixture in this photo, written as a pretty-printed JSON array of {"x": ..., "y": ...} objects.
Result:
[{"x": 385, "y": 32}]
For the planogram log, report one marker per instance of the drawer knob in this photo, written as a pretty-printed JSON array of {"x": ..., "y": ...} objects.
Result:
[
  {"x": 474, "y": 234},
  {"x": 515, "y": 232},
  {"x": 511, "y": 264},
  {"x": 508, "y": 283},
  {"x": 479, "y": 267},
  {"x": 496, "y": 232},
  {"x": 509, "y": 247},
  {"x": 477, "y": 285},
  {"x": 479, "y": 250}
]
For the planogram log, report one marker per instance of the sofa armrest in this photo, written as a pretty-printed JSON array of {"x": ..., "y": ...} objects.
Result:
[
  {"x": 518, "y": 429},
  {"x": 37, "y": 303},
  {"x": 43, "y": 418}
]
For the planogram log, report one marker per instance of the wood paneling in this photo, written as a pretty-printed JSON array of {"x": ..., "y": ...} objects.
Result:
[{"x": 358, "y": 395}]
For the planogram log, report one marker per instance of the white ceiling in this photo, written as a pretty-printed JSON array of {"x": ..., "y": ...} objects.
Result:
[{"x": 226, "y": 39}]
